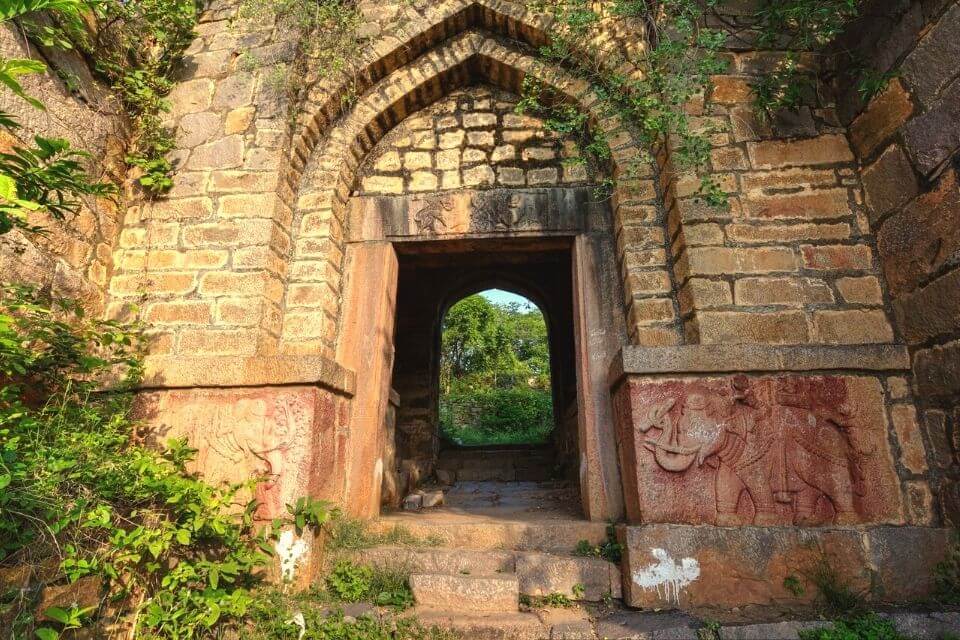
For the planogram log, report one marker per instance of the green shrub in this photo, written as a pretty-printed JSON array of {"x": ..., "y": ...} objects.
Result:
[
  {"x": 487, "y": 416},
  {"x": 610, "y": 549},
  {"x": 351, "y": 582},
  {"x": 277, "y": 616},
  {"x": 866, "y": 627},
  {"x": 78, "y": 487}
]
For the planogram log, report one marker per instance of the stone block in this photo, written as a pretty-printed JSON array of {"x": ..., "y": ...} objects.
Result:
[
  {"x": 542, "y": 574},
  {"x": 931, "y": 311},
  {"x": 905, "y": 559},
  {"x": 865, "y": 290},
  {"x": 932, "y": 64},
  {"x": 823, "y": 203},
  {"x": 287, "y": 435},
  {"x": 670, "y": 567},
  {"x": 856, "y": 257},
  {"x": 933, "y": 137},
  {"x": 922, "y": 238},
  {"x": 226, "y": 153},
  {"x": 937, "y": 370},
  {"x": 858, "y": 326},
  {"x": 913, "y": 455},
  {"x": 770, "y": 450},
  {"x": 733, "y": 327},
  {"x": 884, "y": 117},
  {"x": 466, "y": 593},
  {"x": 889, "y": 183},
  {"x": 827, "y": 149}
]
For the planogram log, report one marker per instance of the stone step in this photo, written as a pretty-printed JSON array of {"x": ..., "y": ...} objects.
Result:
[
  {"x": 588, "y": 579},
  {"x": 560, "y": 535},
  {"x": 480, "y": 626},
  {"x": 539, "y": 574},
  {"x": 439, "y": 560},
  {"x": 466, "y": 593}
]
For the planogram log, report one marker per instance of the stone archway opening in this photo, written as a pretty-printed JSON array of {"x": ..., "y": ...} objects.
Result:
[
  {"x": 480, "y": 476},
  {"x": 495, "y": 383}
]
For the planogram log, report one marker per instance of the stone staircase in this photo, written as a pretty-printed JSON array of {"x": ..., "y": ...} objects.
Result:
[{"x": 475, "y": 581}]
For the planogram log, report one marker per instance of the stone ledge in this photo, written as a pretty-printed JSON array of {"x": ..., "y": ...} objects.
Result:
[
  {"x": 178, "y": 372},
  {"x": 746, "y": 358}
]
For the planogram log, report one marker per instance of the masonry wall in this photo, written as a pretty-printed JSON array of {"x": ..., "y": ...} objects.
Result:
[
  {"x": 792, "y": 259},
  {"x": 907, "y": 141},
  {"x": 72, "y": 258}
]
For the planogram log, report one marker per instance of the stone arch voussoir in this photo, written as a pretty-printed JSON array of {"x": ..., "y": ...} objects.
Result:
[{"x": 335, "y": 144}]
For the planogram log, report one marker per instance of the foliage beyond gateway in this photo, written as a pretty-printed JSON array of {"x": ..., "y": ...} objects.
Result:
[{"x": 494, "y": 374}]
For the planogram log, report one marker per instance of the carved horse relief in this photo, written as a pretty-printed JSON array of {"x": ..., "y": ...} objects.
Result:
[{"x": 774, "y": 441}]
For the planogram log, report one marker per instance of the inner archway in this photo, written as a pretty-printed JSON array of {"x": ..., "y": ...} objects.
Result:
[{"x": 495, "y": 382}]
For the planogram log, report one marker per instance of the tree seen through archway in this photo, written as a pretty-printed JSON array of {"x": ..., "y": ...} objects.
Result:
[{"x": 495, "y": 372}]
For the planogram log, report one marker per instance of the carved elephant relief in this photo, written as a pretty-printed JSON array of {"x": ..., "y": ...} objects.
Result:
[{"x": 789, "y": 450}]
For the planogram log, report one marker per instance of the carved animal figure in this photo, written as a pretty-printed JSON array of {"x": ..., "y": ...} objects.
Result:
[
  {"x": 431, "y": 215},
  {"x": 775, "y": 442},
  {"x": 788, "y": 451}
]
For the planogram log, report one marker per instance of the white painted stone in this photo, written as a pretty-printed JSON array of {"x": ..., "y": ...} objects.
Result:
[{"x": 667, "y": 576}]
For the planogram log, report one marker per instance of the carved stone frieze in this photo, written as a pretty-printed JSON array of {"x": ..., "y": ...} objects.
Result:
[
  {"x": 805, "y": 451},
  {"x": 285, "y": 436}
]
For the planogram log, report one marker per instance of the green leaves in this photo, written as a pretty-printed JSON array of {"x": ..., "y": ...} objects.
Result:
[
  {"x": 48, "y": 177},
  {"x": 11, "y": 69}
]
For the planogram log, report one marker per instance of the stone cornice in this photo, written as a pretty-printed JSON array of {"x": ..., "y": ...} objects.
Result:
[
  {"x": 752, "y": 358},
  {"x": 178, "y": 372}
]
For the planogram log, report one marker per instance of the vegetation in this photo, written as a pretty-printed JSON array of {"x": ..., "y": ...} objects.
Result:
[
  {"x": 610, "y": 549},
  {"x": 275, "y": 615},
  {"x": 351, "y": 582},
  {"x": 349, "y": 534},
  {"x": 494, "y": 375},
  {"x": 674, "y": 71},
  {"x": 866, "y": 627}
]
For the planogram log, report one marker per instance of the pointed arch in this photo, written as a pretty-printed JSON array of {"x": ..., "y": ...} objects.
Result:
[{"x": 325, "y": 161}]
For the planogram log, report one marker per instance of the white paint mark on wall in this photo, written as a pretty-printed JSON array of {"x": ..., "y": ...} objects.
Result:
[
  {"x": 667, "y": 576},
  {"x": 292, "y": 551}
]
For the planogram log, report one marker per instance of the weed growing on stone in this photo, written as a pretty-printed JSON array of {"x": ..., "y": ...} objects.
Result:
[
  {"x": 610, "y": 549},
  {"x": 684, "y": 54},
  {"x": 552, "y": 600},
  {"x": 349, "y": 534},
  {"x": 838, "y": 597},
  {"x": 865, "y": 627},
  {"x": 308, "y": 616},
  {"x": 385, "y": 587}
]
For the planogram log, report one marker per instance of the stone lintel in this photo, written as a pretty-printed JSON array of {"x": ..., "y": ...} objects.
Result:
[
  {"x": 477, "y": 213},
  {"x": 746, "y": 358},
  {"x": 179, "y": 372}
]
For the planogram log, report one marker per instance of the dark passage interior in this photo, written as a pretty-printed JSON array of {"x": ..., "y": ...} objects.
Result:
[{"x": 434, "y": 276}]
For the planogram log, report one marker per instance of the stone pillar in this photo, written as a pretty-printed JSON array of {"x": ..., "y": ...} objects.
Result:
[
  {"x": 599, "y": 332},
  {"x": 366, "y": 346}
]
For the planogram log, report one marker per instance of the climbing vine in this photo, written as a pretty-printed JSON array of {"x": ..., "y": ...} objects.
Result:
[
  {"x": 798, "y": 26},
  {"x": 675, "y": 70}
]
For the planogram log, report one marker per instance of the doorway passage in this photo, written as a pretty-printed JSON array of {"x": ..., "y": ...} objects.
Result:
[
  {"x": 495, "y": 372},
  {"x": 448, "y": 432}
]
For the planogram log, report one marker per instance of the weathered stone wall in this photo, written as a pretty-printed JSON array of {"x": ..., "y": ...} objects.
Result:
[
  {"x": 205, "y": 261},
  {"x": 472, "y": 138},
  {"x": 72, "y": 258},
  {"x": 907, "y": 141},
  {"x": 792, "y": 259}
]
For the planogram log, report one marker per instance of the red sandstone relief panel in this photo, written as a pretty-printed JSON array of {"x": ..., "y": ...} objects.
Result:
[
  {"x": 768, "y": 451},
  {"x": 287, "y": 435}
]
